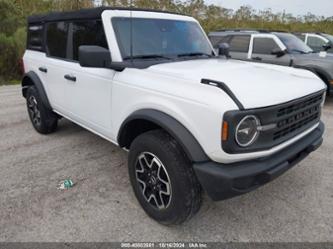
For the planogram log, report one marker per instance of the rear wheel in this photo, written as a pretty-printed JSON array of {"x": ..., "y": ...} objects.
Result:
[
  {"x": 43, "y": 120},
  {"x": 163, "y": 179}
]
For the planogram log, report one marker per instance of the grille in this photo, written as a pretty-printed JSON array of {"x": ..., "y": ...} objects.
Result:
[
  {"x": 294, "y": 117},
  {"x": 282, "y": 122},
  {"x": 295, "y": 107}
]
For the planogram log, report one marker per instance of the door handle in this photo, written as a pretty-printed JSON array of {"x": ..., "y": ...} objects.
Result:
[
  {"x": 70, "y": 77},
  {"x": 43, "y": 69},
  {"x": 257, "y": 58}
]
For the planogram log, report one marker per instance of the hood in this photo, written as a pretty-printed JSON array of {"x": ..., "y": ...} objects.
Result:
[{"x": 254, "y": 84}]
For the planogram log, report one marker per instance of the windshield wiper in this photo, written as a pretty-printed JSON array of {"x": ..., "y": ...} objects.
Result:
[
  {"x": 194, "y": 54},
  {"x": 148, "y": 56}
]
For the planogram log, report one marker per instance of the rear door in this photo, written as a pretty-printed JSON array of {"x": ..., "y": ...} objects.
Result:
[
  {"x": 34, "y": 58},
  {"x": 56, "y": 37},
  {"x": 262, "y": 46}
]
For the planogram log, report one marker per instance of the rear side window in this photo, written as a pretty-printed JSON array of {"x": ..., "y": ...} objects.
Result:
[
  {"x": 216, "y": 40},
  {"x": 35, "y": 37},
  {"x": 56, "y": 39},
  {"x": 240, "y": 43},
  {"x": 301, "y": 36},
  {"x": 264, "y": 46},
  {"x": 87, "y": 33}
]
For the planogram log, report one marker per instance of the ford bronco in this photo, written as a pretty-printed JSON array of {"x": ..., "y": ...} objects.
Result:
[{"x": 191, "y": 119}]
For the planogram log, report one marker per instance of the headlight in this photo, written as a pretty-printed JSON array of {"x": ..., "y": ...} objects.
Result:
[{"x": 247, "y": 131}]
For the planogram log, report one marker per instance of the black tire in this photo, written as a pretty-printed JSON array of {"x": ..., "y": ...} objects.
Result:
[
  {"x": 185, "y": 199},
  {"x": 43, "y": 120}
]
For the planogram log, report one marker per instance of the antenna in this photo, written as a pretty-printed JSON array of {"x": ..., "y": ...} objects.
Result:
[{"x": 131, "y": 31}]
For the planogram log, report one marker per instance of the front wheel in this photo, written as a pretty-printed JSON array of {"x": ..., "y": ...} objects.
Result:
[{"x": 163, "y": 179}]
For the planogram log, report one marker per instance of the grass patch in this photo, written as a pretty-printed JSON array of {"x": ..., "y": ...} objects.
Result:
[{"x": 9, "y": 82}]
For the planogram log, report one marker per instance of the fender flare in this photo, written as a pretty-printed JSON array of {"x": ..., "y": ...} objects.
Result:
[
  {"x": 181, "y": 134},
  {"x": 35, "y": 80}
]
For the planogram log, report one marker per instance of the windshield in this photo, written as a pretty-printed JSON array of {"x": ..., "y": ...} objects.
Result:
[
  {"x": 329, "y": 37},
  {"x": 294, "y": 44},
  {"x": 160, "y": 39}
]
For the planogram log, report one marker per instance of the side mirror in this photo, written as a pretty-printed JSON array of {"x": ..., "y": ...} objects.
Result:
[
  {"x": 223, "y": 49},
  {"x": 278, "y": 52},
  {"x": 94, "y": 56},
  {"x": 327, "y": 46}
]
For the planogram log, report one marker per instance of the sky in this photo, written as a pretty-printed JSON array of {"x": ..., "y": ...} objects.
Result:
[{"x": 296, "y": 7}]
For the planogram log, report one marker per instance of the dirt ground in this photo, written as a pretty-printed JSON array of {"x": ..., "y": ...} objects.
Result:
[{"x": 297, "y": 206}]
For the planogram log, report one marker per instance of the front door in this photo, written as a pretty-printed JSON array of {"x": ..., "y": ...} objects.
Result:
[
  {"x": 316, "y": 42},
  {"x": 88, "y": 90},
  {"x": 262, "y": 48}
]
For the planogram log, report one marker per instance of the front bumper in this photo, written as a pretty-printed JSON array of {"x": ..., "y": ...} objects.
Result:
[{"x": 223, "y": 181}]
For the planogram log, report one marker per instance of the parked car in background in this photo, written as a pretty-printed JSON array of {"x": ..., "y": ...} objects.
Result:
[
  {"x": 317, "y": 41},
  {"x": 279, "y": 48}
]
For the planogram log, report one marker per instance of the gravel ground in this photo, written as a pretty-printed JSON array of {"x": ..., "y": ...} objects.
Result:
[{"x": 297, "y": 206}]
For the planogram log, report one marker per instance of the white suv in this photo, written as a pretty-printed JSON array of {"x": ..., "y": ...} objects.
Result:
[
  {"x": 317, "y": 41},
  {"x": 151, "y": 83}
]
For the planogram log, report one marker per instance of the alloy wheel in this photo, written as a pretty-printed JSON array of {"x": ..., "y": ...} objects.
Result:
[
  {"x": 153, "y": 180},
  {"x": 34, "y": 111}
]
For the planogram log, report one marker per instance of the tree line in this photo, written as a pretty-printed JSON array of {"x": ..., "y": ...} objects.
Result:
[{"x": 13, "y": 14}]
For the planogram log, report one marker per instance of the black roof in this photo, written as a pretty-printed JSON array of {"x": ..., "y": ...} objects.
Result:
[{"x": 93, "y": 13}]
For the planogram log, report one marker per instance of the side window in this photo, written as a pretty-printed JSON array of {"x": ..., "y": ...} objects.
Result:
[
  {"x": 216, "y": 40},
  {"x": 301, "y": 36},
  {"x": 240, "y": 43},
  {"x": 56, "y": 39},
  {"x": 88, "y": 33},
  {"x": 316, "y": 42},
  {"x": 35, "y": 37},
  {"x": 264, "y": 45}
]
